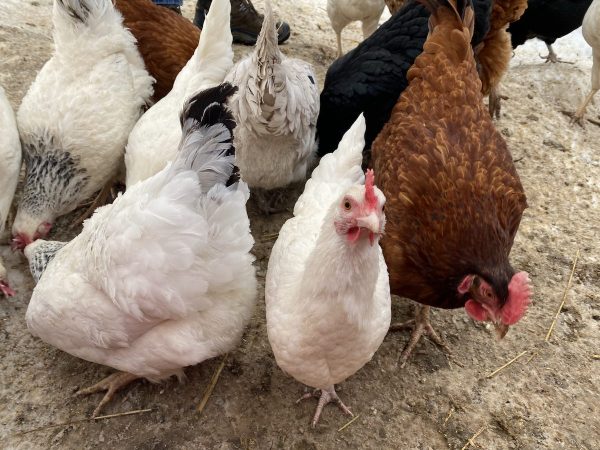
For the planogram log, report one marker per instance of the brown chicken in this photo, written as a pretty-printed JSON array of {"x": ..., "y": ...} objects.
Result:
[
  {"x": 496, "y": 49},
  {"x": 165, "y": 39},
  {"x": 394, "y": 5},
  {"x": 454, "y": 199}
]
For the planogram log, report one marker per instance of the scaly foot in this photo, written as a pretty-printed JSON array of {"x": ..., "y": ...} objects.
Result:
[
  {"x": 327, "y": 396},
  {"x": 421, "y": 325},
  {"x": 111, "y": 385}
]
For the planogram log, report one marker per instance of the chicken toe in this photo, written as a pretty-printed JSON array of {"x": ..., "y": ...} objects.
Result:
[
  {"x": 327, "y": 395},
  {"x": 111, "y": 385},
  {"x": 421, "y": 326}
]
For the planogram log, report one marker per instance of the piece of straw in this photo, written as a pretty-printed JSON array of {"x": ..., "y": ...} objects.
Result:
[
  {"x": 89, "y": 419},
  {"x": 471, "y": 440},
  {"x": 507, "y": 364},
  {"x": 562, "y": 303},
  {"x": 212, "y": 384},
  {"x": 349, "y": 423}
]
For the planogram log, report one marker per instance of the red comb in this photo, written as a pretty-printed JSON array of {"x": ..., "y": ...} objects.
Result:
[{"x": 370, "y": 196}]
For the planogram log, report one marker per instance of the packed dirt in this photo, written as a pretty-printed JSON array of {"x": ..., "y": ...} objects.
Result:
[{"x": 549, "y": 398}]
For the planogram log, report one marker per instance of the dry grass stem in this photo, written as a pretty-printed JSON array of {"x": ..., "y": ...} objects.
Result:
[
  {"x": 449, "y": 415},
  {"x": 562, "y": 303},
  {"x": 349, "y": 423},
  {"x": 89, "y": 419},
  {"x": 507, "y": 364},
  {"x": 471, "y": 440},
  {"x": 212, "y": 384}
]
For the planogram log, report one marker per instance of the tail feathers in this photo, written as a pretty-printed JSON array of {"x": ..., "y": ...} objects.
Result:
[
  {"x": 217, "y": 24},
  {"x": 207, "y": 143},
  {"x": 82, "y": 11},
  {"x": 267, "y": 49}
]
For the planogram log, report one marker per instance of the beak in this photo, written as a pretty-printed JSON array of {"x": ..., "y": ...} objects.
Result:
[
  {"x": 501, "y": 329},
  {"x": 371, "y": 223}
]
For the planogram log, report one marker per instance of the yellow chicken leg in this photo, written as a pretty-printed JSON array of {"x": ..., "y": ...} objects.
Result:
[{"x": 111, "y": 385}]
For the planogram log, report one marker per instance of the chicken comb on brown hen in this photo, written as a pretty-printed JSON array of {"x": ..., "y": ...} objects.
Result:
[
  {"x": 495, "y": 51},
  {"x": 165, "y": 39},
  {"x": 454, "y": 198}
]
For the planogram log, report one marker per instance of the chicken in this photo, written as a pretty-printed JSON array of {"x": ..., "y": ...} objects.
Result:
[
  {"x": 454, "y": 198},
  {"x": 327, "y": 289},
  {"x": 394, "y": 5},
  {"x": 165, "y": 39},
  {"x": 276, "y": 109},
  {"x": 10, "y": 166},
  {"x": 162, "y": 278},
  {"x": 95, "y": 85},
  {"x": 370, "y": 78},
  {"x": 548, "y": 20},
  {"x": 591, "y": 34},
  {"x": 342, "y": 12},
  {"x": 154, "y": 140},
  {"x": 495, "y": 51}
]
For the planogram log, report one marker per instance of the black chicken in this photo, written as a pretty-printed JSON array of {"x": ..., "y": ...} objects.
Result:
[
  {"x": 370, "y": 78},
  {"x": 548, "y": 20}
]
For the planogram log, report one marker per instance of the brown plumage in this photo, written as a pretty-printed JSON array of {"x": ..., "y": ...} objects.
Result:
[
  {"x": 165, "y": 39},
  {"x": 454, "y": 198},
  {"x": 394, "y": 5},
  {"x": 496, "y": 50}
]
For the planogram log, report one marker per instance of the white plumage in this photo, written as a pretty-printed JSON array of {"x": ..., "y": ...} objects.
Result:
[
  {"x": 276, "y": 109},
  {"x": 591, "y": 34},
  {"x": 343, "y": 12},
  {"x": 162, "y": 278},
  {"x": 10, "y": 166},
  {"x": 76, "y": 116},
  {"x": 328, "y": 299},
  {"x": 154, "y": 139}
]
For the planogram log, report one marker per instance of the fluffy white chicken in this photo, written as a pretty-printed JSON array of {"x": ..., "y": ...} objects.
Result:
[
  {"x": 327, "y": 291},
  {"x": 343, "y": 12},
  {"x": 10, "y": 166},
  {"x": 154, "y": 140},
  {"x": 591, "y": 34},
  {"x": 76, "y": 116},
  {"x": 162, "y": 278},
  {"x": 276, "y": 109}
]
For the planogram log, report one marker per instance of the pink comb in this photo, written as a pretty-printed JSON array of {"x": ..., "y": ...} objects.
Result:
[
  {"x": 519, "y": 292},
  {"x": 370, "y": 196}
]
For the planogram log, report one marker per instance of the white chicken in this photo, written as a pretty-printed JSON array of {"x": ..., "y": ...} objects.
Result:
[
  {"x": 276, "y": 109},
  {"x": 154, "y": 140},
  {"x": 10, "y": 166},
  {"x": 327, "y": 291},
  {"x": 591, "y": 33},
  {"x": 162, "y": 278},
  {"x": 76, "y": 116},
  {"x": 343, "y": 12}
]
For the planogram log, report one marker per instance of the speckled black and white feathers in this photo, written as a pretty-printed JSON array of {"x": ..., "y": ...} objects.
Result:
[
  {"x": 40, "y": 256},
  {"x": 53, "y": 178}
]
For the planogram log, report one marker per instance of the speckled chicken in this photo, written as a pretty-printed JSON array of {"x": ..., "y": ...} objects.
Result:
[
  {"x": 162, "y": 278},
  {"x": 154, "y": 140},
  {"x": 10, "y": 167},
  {"x": 77, "y": 114},
  {"x": 276, "y": 110},
  {"x": 454, "y": 198},
  {"x": 327, "y": 289},
  {"x": 343, "y": 12}
]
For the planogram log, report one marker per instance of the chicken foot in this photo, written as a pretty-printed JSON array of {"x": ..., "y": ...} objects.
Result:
[
  {"x": 327, "y": 395},
  {"x": 494, "y": 103},
  {"x": 111, "y": 385},
  {"x": 552, "y": 57},
  {"x": 421, "y": 325}
]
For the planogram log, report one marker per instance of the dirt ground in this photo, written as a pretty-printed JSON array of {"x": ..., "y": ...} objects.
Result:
[{"x": 550, "y": 398}]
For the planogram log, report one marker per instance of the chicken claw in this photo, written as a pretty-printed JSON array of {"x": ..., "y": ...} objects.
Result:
[
  {"x": 327, "y": 395},
  {"x": 421, "y": 326},
  {"x": 111, "y": 385}
]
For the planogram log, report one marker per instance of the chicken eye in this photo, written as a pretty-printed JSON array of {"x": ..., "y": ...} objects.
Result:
[
  {"x": 347, "y": 205},
  {"x": 383, "y": 208}
]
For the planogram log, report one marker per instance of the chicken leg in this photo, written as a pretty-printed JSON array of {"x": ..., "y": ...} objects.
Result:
[
  {"x": 327, "y": 395},
  {"x": 421, "y": 326},
  {"x": 111, "y": 385},
  {"x": 552, "y": 57},
  {"x": 338, "y": 35}
]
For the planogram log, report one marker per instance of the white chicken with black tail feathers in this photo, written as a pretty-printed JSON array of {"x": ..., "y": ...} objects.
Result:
[
  {"x": 327, "y": 291},
  {"x": 276, "y": 109},
  {"x": 162, "y": 278},
  {"x": 154, "y": 140},
  {"x": 10, "y": 166},
  {"x": 76, "y": 116}
]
